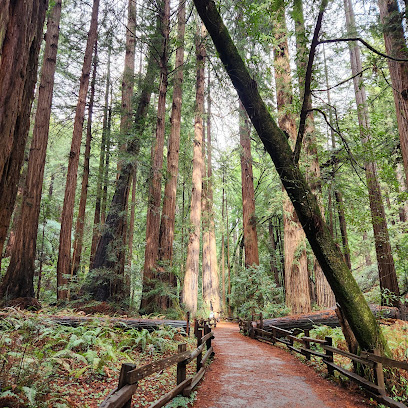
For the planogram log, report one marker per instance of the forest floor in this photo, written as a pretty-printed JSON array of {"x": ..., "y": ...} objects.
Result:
[
  {"x": 249, "y": 373},
  {"x": 44, "y": 364}
]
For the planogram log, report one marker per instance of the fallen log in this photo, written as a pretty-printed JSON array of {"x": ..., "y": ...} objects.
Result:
[
  {"x": 74, "y": 321},
  {"x": 323, "y": 318}
]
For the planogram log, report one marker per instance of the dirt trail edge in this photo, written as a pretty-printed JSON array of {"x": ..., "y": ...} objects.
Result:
[{"x": 249, "y": 373}]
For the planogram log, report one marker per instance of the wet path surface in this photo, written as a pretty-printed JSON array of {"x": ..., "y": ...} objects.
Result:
[{"x": 249, "y": 373}]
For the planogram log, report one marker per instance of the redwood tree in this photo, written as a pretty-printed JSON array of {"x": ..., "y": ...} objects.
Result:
[
  {"x": 154, "y": 196},
  {"x": 64, "y": 251},
  {"x": 18, "y": 281},
  {"x": 190, "y": 287},
  {"x": 296, "y": 273},
  {"x": 166, "y": 234},
  {"x": 385, "y": 261},
  {"x": 21, "y": 33}
]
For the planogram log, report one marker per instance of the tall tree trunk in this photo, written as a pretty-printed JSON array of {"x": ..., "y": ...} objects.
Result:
[
  {"x": 385, "y": 261},
  {"x": 248, "y": 195},
  {"x": 21, "y": 33},
  {"x": 396, "y": 47},
  {"x": 224, "y": 230},
  {"x": 80, "y": 222},
  {"x": 154, "y": 197},
  {"x": 111, "y": 236},
  {"x": 102, "y": 155},
  {"x": 214, "y": 293},
  {"x": 324, "y": 294},
  {"x": 190, "y": 288},
  {"x": 18, "y": 281},
  {"x": 166, "y": 234},
  {"x": 345, "y": 288},
  {"x": 64, "y": 251},
  {"x": 296, "y": 273}
]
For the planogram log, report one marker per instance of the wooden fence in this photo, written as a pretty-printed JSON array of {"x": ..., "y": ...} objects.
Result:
[
  {"x": 373, "y": 360},
  {"x": 130, "y": 375}
]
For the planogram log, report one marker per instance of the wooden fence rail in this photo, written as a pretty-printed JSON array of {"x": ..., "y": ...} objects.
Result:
[
  {"x": 373, "y": 360},
  {"x": 130, "y": 375}
]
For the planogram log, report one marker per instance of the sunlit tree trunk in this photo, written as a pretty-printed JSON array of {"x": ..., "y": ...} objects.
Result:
[
  {"x": 64, "y": 251},
  {"x": 166, "y": 236},
  {"x": 211, "y": 294},
  {"x": 296, "y": 273},
  {"x": 190, "y": 288},
  {"x": 80, "y": 222},
  {"x": 18, "y": 281},
  {"x": 385, "y": 261},
  {"x": 154, "y": 196},
  {"x": 21, "y": 33}
]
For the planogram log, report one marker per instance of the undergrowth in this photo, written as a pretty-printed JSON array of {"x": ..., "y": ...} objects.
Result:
[{"x": 45, "y": 364}]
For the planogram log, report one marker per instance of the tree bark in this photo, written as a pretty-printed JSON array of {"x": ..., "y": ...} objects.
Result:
[
  {"x": 296, "y": 273},
  {"x": 190, "y": 287},
  {"x": 385, "y": 261},
  {"x": 21, "y": 33},
  {"x": 154, "y": 197},
  {"x": 214, "y": 298},
  {"x": 102, "y": 155},
  {"x": 18, "y": 281},
  {"x": 64, "y": 251},
  {"x": 248, "y": 194},
  {"x": 396, "y": 47},
  {"x": 80, "y": 222},
  {"x": 345, "y": 288},
  {"x": 111, "y": 236},
  {"x": 166, "y": 234}
]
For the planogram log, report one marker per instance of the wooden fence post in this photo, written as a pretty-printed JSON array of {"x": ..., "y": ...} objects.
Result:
[
  {"x": 260, "y": 321},
  {"x": 273, "y": 335},
  {"x": 126, "y": 367},
  {"x": 329, "y": 355},
  {"x": 307, "y": 344},
  {"x": 199, "y": 337},
  {"x": 195, "y": 327},
  {"x": 181, "y": 366},
  {"x": 379, "y": 373},
  {"x": 188, "y": 324}
]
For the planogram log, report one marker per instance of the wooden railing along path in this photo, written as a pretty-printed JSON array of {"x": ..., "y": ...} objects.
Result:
[
  {"x": 373, "y": 360},
  {"x": 130, "y": 375}
]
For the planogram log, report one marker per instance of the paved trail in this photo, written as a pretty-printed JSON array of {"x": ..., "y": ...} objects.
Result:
[{"x": 248, "y": 373}]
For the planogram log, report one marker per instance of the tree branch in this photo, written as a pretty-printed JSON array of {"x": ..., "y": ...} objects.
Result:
[
  {"x": 370, "y": 47},
  {"x": 308, "y": 79}
]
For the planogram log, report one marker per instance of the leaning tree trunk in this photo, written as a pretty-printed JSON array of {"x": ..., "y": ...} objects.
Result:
[
  {"x": 166, "y": 234},
  {"x": 80, "y": 222},
  {"x": 64, "y": 251},
  {"x": 396, "y": 47},
  {"x": 190, "y": 288},
  {"x": 296, "y": 273},
  {"x": 324, "y": 294},
  {"x": 154, "y": 196},
  {"x": 345, "y": 288},
  {"x": 18, "y": 281},
  {"x": 385, "y": 261},
  {"x": 21, "y": 33}
]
